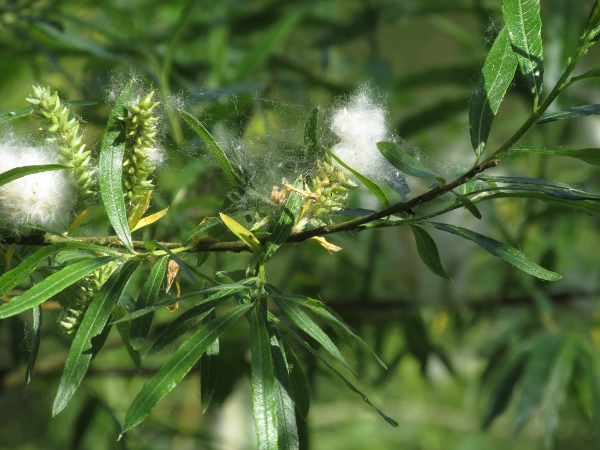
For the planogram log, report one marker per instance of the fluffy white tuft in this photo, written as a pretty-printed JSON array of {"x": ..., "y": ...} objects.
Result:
[
  {"x": 360, "y": 124},
  {"x": 43, "y": 199}
]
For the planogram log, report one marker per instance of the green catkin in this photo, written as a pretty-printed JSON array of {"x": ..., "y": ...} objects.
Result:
[
  {"x": 138, "y": 164},
  {"x": 89, "y": 286},
  {"x": 64, "y": 126}
]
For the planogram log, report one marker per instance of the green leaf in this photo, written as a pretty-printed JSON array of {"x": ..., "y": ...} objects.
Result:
[
  {"x": 306, "y": 324},
  {"x": 336, "y": 372},
  {"x": 110, "y": 167},
  {"x": 18, "y": 172},
  {"x": 311, "y": 138},
  {"x": 209, "y": 369},
  {"x": 287, "y": 428},
  {"x": 35, "y": 345},
  {"x": 299, "y": 382},
  {"x": 93, "y": 323},
  {"x": 287, "y": 219},
  {"x": 373, "y": 187},
  {"x": 191, "y": 318},
  {"x": 428, "y": 252},
  {"x": 206, "y": 225},
  {"x": 124, "y": 328},
  {"x": 570, "y": 113},
  {"x": 555, "y": 392},
  {"x": 535, "y": 376},
  {"x": 173, "y": 370},
  {"x": 468, "y": 204},
  {"x": 524, "y": 24},
  {"x": 576, "y": 192},
  {"x": 499, "y": 249},
  {"x": 502, "y": 388},
  {"x": 241, "y": 232},
  {"x": 589, "y": 74},
  {"x": 182, "y": 265},
  {"x": 148, "y": 297},
  {"x": 329, "y": 315},
  {"x": 12, "y": 278},
  {"x": 495, "y": 78},
  {"x": 404, "y": 162},
  {"x": 214, "y": 148},
  {"x": 17, "y": 113},
  {"x": 264, "y": 397},
  {"x": 588, "y": 155},
  {"x": 51, "y": 286}
]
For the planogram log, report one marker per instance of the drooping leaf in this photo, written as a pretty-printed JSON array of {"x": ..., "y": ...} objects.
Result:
[
  {"x": 502, "y": 388},
  {"x": 499, "y": 249},
  {"x": 579, "y": 193},
  {"x": 173, "y": 370},
  {"x": 17, "y": 113},
  {"x": 12, "y": 278},
  {"x": 299, "y": 382},
  {"x": 241, "y": 232},
  {"x": 110, "y": 167},
  {"x": 372, "y": 186},
  {"x": 216, "y": 151},
  {"x": 404, "y": 162},
  {"x": 287, "y": 428},
  {"x": 336, "y": 372},
  {"x": 209, "y": 369},
  {"x": 148, "y": 296},
  {"x": 205, "y": 225},
  {"x": 428, "y": 252},
  {"x": 52, "y": 285},
  {"x": 92, "y": 325},
  {"x": 468, "y": 204},
  {"x": 127, "y": 304},
  {"x": 589, "y": 74},
  {"x": 306, "y": 324},
  {"x": 192, "y": 317},
  {"x": 524, "y": 24},
  {"x": 287, "y": 219},
  {"x": 264, "y": 396},
  {"x": 535, "y": 376},
  {"x": 35, "y": 344},
  {"x": 182, "y": 265},
  {"x": 311, "y": 138},
  {"x": 555, "y": 392},
  {"x": 588, "y": 155},
  {"x": 495, "y": 78},
  {"x": 18, "y": 172},
  {"x": 570, "y": 113}
]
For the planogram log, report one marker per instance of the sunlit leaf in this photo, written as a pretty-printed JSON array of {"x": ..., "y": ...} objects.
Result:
[
  {"x": 495, "y": 78},
  {"x": 241, "y": 232},
  {"x": 404, "y": 162},
  {"x": 524, "y": 25},
  {"x": 18, "y": 172}
]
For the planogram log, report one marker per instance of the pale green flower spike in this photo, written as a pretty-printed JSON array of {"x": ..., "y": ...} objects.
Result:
[
  {"x": 65, "y": 126},
  {"x": 141, "y": 154}
]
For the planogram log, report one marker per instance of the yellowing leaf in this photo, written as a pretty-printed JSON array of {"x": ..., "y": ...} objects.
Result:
[
  {"x": 240, "y": 231},
  {"x": 149, "y": 220},
  {"x": 139, "y": 212},
  {"x": 77, "y": 221},
  {"x": 8, "y": 257},
  {"x": 172, "y": 272},
  {"x": 327, "y": 245}
]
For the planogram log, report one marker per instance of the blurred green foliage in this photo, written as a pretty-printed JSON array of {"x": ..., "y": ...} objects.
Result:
[{"x": 253, "y": 71}]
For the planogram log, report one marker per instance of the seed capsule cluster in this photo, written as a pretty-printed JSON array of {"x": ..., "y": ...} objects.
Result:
[
  {"x": 330, "y": 185},
  {"x": 64, "y": 125},
  {"x": 90, "y": 286},
  {"x": 140, "y": 150}
]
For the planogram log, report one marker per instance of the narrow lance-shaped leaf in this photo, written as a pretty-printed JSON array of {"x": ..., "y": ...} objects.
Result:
[
  {"x": 241, "y": 232},
  {"x": 264, "y": 399},
  {"x": 311, "y": 138},
  {"x": 299, "y": 382},
  {"x": 214, "y": 148},
  {"x": 570, "y": 113},
  {"x": 92, "y": 325},
  {"x": 126, "y": 304},
  {"x": 18, "y": 172},
  {"x": 287, "y": 219},
  {"x": 287, "y": 428},
  {"x": 148, "y": 296},
  {"x": 35, "y": 345},
  {"x": 209, "y": 369},
  {"x": 372, "y": 186},
  {"x": 499, "y": 249},
  {"x": 12, "y": 278},
  {"x": 52, "y": 285},
  {"x": 495, "y": 78},
  {"x": 110, "y": 167},
  {"x": 524, "y": 25},
  {"x": 179, "y": 364},
  {"x": 588, "y": 155},
  {"x": 468, "y": 204},
  {"x": 428, "y": 252},
  {"x": 404, "y": 162}
]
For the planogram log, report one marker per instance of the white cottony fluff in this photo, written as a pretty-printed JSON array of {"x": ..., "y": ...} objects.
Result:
[
  {"x": 44, "y": 199},
  {"x": 360, "y": 124}
]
